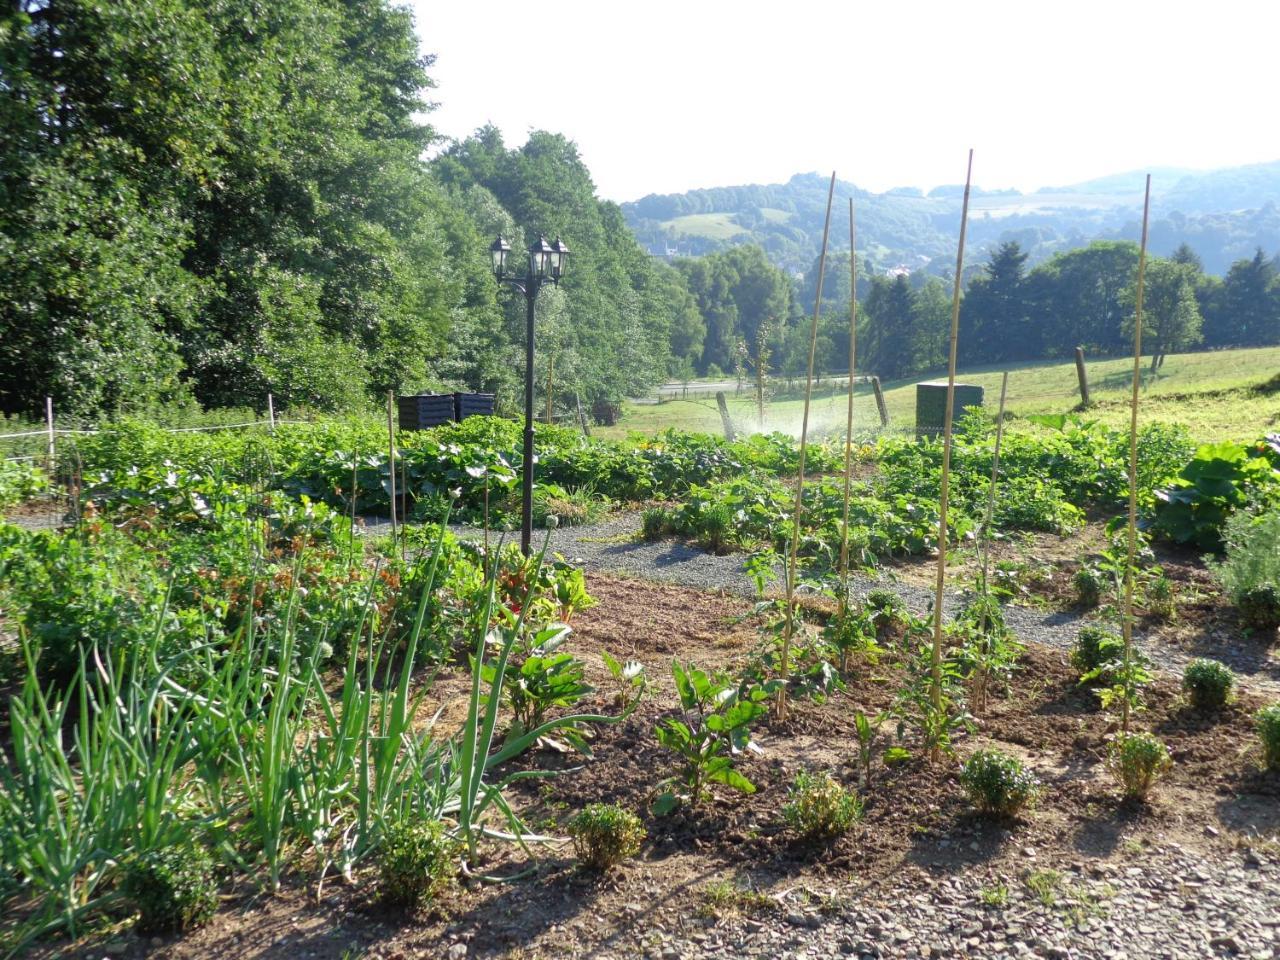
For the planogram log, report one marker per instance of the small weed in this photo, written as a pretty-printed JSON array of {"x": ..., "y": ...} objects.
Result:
[
  {"x": 995, "y": 896},
  {"x": 1045, "y": 884},
  {"x": 722, "y": 897}
]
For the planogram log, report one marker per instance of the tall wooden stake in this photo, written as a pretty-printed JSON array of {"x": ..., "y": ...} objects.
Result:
[
  {"x": 1133, "y": 460},
  {"x": 48, "y": 420},
  {"x": 982, "y": 674},
  {"x": 789, "y": 622},
  {"x": 935, "y": 685},
  {"x": 391, "y": 459},
  {"x": 848, "y": 429}
]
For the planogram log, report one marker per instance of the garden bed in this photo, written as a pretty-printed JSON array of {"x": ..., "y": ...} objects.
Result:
[{"x": 728, "y": 874}]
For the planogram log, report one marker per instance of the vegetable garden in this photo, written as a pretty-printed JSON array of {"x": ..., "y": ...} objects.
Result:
[{"x": 229, "y": 691}]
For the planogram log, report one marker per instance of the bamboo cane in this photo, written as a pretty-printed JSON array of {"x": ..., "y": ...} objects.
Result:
[
  {"x": 1133, "y": 460},
  {"x": 788, "y": 623},
  {"x": 848, "y": 430},
  {"x": 935, "y": 673},
  {"x": 984, "y": 544},
  {"x": 391, "y": 459}
]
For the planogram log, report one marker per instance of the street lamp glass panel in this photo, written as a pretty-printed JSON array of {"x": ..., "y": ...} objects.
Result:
[
  {"x": 498, "y": 250},
  {"x": 560, "y": 263},
  {"x": 540, "y": 258}
]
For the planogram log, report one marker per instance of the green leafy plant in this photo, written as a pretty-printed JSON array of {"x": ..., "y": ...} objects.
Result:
[
  {"x": 852, "y": 633},
  {"x": 998, "y": 784},
  {"x": 937, "y": 710},
  {"x": 819, "y": 807},
  {"x": 630, "y": 679},
  {"x": 416, "y": 860},
  {"x": 1089, "y": 585},
  {"x": 1250, "y": 569},
  {"x": 1268, "y": 721},
  {"x": 889, "y": 614},
  {"x": 1260, "y": 607},
  {"x": 539, "y": 679},
  {"x": 1208, "y": 683},
  {"x": 173, "y": 889},
  {"x": 866, "y": 729},
  {"x": 1095, "y": 649},
  {"x": 605, "y": 834},
  {"x": 1137, "y": 761},
  {"x": 713, "y": 730},
  {"x": 655, "y": 523},
  {"x": 1221, "y": 479},
  {"x": 1158, "y": 595},
  {"x": 989, "y": 650}
]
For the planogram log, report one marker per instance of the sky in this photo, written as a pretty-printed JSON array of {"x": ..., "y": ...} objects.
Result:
[{"x": 663, "y": 97}]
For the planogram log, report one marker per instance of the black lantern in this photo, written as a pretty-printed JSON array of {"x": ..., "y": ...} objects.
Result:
[
  {"x": 498, "y": 251},
  {"x": 559, "y": 259},
  {"x": 540, "y": 254}
]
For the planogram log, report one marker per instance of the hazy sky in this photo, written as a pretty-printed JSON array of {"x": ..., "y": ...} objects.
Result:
[{"x": 663, "y": 97}]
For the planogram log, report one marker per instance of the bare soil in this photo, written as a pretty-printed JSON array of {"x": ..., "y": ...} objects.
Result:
[{"x": 916, "y": 823}]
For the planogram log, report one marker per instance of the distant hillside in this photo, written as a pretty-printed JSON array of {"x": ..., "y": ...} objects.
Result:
[{"x": 1224, "y": 214}]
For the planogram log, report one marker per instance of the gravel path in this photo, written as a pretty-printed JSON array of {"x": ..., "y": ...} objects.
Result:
[
  {"x": 613, "y": 546},
  {"x": 1165, "y": 903}
]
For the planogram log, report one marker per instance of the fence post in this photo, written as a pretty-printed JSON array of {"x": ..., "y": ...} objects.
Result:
[
  {"x": 271, "y": 412},
  {"x": 725, "y": 419},
  {"x": 582, "y": 416},
  {"x": 1082, "y": 377},
  {"x": 884, "y": 411},
  {"x": 48, "y": 419}
]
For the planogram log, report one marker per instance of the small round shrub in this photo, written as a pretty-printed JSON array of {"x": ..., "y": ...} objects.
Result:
[
  {"x": 1260, "y": 607},
  {"x": 998, "y": 784},
  {"x": 605, "y": 834},
  {"x": 655, "y": 523},
  {"x": 1269, "y": 733},
  {"x": 416, "y": 861},
  {"x": 817, "y": 806},
  {"x": 173, "y": 889},
  {"x": 715, "y": 527},
  {"x": 1137, "y": 761},
  {"x": 1207, "y": 683},
  {"x": 1089, "y": 585},
  {"x": 1095, "y": 647}
]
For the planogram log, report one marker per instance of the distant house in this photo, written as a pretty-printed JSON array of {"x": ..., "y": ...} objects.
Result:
[{"x": 901, "y": 270}]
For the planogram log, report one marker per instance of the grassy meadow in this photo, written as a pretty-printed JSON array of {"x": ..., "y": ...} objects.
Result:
[{"x": 1217, "y": 395}]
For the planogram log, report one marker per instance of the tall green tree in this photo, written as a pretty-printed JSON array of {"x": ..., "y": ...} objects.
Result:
[{"x": 995, "y": 316}]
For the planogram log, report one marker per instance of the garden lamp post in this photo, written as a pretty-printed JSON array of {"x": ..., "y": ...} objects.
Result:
[{"x": 547, "y": 263}]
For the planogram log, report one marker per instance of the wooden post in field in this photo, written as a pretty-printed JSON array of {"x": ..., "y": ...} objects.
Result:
[
  {"x": 1133, "y": 464},
  {"x": 725, "y": 420},
  {"x": 848, "y": 427},
  {"x": 391, "y": 458},
  {"x": 1082, "y": 377},
  {"x": 582, "y": 417},
  {"x": 271, "y": 412},
  {"x": 880, "y": 407},
  {"x": 935, "y": 684},
  {"x": 789, "y": 614},
  {"x": 48, "y": 420}
]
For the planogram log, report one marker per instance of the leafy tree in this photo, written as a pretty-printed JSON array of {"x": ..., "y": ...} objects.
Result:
[
  {"x": 1078, "y": 298},
  {"x": 1250, "y": 311},
  {"x": 1171, "y": 318}
]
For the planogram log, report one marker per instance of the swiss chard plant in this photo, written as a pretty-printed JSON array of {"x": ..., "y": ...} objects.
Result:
[{"x": 712, "y": 731}]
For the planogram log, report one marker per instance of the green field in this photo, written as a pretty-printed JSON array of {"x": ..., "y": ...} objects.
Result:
[
  {"x": 1215, "y": 395},
  {"x": 713, "y": 226}
]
